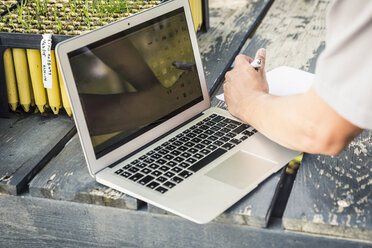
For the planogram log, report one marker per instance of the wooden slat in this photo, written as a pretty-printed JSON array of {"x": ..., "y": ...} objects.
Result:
[
  {"x": 31, "y": 222},
  {"x": 27, "y": 143},
  {"x": 67, "y": 178},
  {"x": 231, "y": 23},
  {"x": 333, "y": 195}
]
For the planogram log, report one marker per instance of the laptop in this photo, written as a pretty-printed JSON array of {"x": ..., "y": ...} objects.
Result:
[{"x": 142, "y": 110}]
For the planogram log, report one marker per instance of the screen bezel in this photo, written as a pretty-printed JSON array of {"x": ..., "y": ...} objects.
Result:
[{"x": 62, "y": 50}]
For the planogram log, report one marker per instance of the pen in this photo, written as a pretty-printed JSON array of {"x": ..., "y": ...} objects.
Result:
[{"x": 256, "y": 63}]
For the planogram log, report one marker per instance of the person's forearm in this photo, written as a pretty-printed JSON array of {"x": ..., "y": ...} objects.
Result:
[{"x": 300, "y": 122}]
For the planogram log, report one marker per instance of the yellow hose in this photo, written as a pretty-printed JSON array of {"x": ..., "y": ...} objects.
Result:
[
  {"x": 10, "y": 79},
  {"x": 54, "y": 95},
  {"x": 65, "y": 101},
  {"x": 34, "y": 64},
  {"x": 23, "y": 77}
]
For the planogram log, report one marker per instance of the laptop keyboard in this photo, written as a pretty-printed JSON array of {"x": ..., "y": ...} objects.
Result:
[{"x": 169, "y": 164}]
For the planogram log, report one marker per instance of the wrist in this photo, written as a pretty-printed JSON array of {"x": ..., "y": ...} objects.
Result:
[{"x": 252, "y": 107}]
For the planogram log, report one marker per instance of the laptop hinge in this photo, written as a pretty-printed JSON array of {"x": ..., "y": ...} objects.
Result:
[{"x": 156, "y": 140}]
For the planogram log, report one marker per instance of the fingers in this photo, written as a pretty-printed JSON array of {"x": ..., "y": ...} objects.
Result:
[
  {"x": 261, "y": 54},
  {"x": 241, "y": 59}
]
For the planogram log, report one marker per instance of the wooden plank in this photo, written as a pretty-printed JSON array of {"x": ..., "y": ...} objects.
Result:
[
  {"x": 67, "y": 178},
  {"x": 231, "y": 23},
  {"x": 27, "y": 143},
  {"x": 31, "y": 222},
  {"x": 333, "y": 195}
]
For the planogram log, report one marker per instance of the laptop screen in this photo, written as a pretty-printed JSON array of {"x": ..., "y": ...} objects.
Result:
[{"x": 130, "y": 82}]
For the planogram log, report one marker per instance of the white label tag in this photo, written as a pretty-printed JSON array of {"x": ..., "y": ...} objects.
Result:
[{"x": 46, "y": 60}]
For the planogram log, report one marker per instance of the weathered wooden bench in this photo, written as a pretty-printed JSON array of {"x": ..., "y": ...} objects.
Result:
[{"x": 64, "y": 206}]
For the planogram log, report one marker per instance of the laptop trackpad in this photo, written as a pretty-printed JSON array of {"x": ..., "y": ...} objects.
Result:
[{"x": 241, "y": 169}]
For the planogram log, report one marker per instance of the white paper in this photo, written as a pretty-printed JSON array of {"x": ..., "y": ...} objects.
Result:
[
  {"x": 285, "y": 81},
  {"x": 46, "y": 60}
]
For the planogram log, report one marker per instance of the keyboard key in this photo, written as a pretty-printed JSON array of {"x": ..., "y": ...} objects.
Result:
[
  {"x": 175, "y": 153},
  {"x": 153, "y": 185},
  {"x": 185, "y": 174},
  {"x": 169, "y": 184},
  {"x": 157, "y": 148},
  {"x": 209, "y": 132},
  {"x": 142, "y": 157},
  {"x": 161, "y": 179},
  {"x": 136, "y": 176},
  {"x": 191, "y": 160},
  {"x": 212, "y": 147},
  {"x": 186, "y": 131},
  {"x": 200, "y": 123},
  {"x": 169, "y": 174},
  {"x": 135, "y": 162},
  {"x": 218, "y": 118},
  {"x": 196, "y": 140},
  {"x": 198, "y": 156},
  {"x": 145, "y": 180},
  {"x": 161, "y": 161},
  {"x": 191, "y": 135},
  {"x": 177, "y": 179},
  {"x": 189, "y": 144},
  {"x": 206, "y": 160},
  {"x": 164, "y": 168},
  {"x": 141, "y": 165},
  {"x": 212, "y": 116},
  {"x": 184, "y": 165},
  {"x": 173, "y": 139},
  {"x": 225, "y": 130},
  {"x": 133, "y": 169},
  {"x": 179, "y": 135},
  {"x": 125, "y": 174},
  {"x": 176, "y": 169},
  {"x": 215, "y": 128},
  {"x": 193, "y": 127},
  {"x": 219, "y": 134},
  {"x": 205, "y": 151},
  {"x": 182, "y": 148},
  {"x": 225, "y": 139},
  {"x": 156, "y": 173},
  {"x": 213, "y": 138},
  {"x": 199, "y": 146},
  {"x": 179, "y": 159},
  {"x": 168, "y": 157},
  {"x": 156, "y": 156},
  {"x": 231, "y": 135},
  {"x": 170, "y": 147},
  {"x": 149, "y": 160},
  {"x": 165, "y": 144},
  {"x": 186, "y": 155},
  {"x": 210, "y": 123},
  {"x": 221, "y": 124},
  {"x": 126, "y": 167},
  {"x": 154, "y": 166},
  {"x": 228, "y": 146},
  {"x": 119, "y": 171},
  {"x": 218, "y": 143},
  {"x": 145, "y": 171},
  {"x": 150, "y": 153},
  {"x": 163, "y": 152},
  {"x": 243, "y": 138},
  {"x": 193, "y": 150},
  {"x": 206, "y": 142},
  {"x": 177, "y": 143},
  {"x": 161, "y": 189},
  {"x": 197, "y": 131},
  {"x": 171, "y": 163},
  {"x": 248, "y": 133},
  {"x": 204, "y": 127},
  {"x": 235, "y": 141},
  {"x": 184, "y": 139},
  {"x": 231, "y": 126},
  {"x": 239, "y": 129}
]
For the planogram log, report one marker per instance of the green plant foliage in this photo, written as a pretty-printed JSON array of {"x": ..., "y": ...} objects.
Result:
[{"x": 67, "y": 16}]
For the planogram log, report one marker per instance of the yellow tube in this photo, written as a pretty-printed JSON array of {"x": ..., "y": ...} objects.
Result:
[
  {"x": 65, "y": 101},
  {"x": 34, "y": 65},
  {"x": 23, "y": 78},
  {"x": 10, "y": 79},
  {"x": 200, "y": 14},
  {"x": 54, "y": 95}
]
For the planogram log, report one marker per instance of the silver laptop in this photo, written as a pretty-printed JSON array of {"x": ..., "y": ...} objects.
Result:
[{"x": 142, "y": 110}]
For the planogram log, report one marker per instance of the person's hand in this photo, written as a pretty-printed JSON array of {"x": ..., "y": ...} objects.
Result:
[{"x": 244, "y": 83}]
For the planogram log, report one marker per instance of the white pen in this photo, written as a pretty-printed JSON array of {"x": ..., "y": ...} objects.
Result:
[{"x": 256, "y": 63}]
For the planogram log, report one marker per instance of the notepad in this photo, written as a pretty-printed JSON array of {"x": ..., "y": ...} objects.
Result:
[{"x": 285, "y": 81}]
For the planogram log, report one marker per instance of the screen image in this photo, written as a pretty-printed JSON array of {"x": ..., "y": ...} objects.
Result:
[{"x": 133, "y": 81}]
